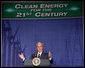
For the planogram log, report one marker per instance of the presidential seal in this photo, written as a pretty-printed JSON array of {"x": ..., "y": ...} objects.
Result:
[{"x": 36, "y": 61}]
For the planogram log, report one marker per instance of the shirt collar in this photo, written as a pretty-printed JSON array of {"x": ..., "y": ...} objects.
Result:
[{"x": 40, "y": 53}]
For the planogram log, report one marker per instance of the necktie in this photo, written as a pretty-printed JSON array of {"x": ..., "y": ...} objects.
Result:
[{"x": 38, "y": 55}]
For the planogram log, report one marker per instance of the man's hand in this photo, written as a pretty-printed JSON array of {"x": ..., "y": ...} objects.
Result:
[
  {"x": 49, "y": 54},
  {"x": 21, "y": 56}
]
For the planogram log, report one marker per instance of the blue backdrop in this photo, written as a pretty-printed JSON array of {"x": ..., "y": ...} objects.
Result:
[{"x": 63, "y": 37}]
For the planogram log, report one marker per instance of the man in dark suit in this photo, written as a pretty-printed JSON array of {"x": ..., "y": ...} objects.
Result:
[{"x": 40, "y": 53}]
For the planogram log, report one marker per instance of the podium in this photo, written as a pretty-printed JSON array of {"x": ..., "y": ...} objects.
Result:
[{"x": 44, "y": 63}]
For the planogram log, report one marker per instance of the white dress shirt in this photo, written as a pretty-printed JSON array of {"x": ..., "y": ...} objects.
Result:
[{"x": 39, "y": 53}]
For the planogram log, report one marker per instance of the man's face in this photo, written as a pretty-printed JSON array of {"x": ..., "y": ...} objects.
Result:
[{"x": 39, "y": 46}]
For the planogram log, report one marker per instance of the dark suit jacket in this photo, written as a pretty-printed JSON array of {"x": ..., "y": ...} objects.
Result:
[{"x": 43, "y": 56}]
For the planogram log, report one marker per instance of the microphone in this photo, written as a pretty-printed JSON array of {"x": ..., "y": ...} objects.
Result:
[{"x": 35, "y": 55}]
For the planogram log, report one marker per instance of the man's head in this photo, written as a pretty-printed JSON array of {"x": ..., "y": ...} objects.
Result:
[{"x": 39, "y": 46}]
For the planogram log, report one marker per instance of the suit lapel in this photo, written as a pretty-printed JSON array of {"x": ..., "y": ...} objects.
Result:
[{"x": 42, "y": 55}]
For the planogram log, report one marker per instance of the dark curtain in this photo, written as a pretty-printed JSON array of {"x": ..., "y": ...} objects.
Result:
[{"x": 63, "y": 37}]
